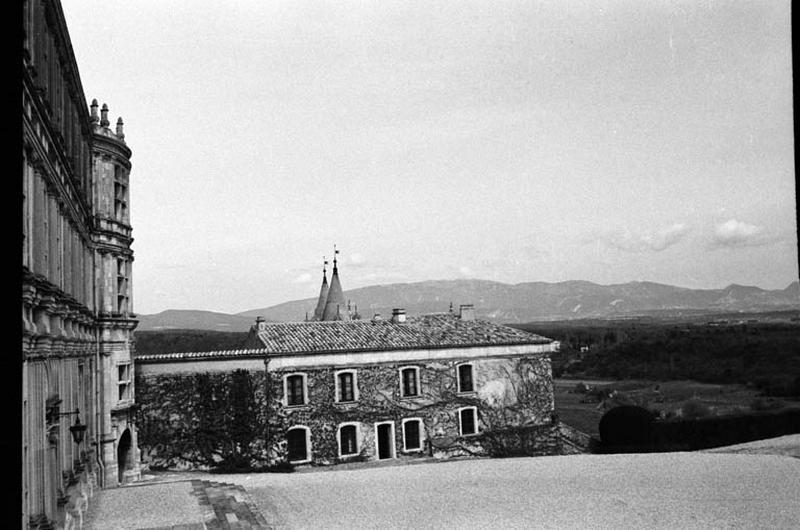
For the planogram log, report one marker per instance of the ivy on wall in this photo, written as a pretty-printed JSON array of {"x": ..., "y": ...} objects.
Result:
[{"x": 205, "y": 420}]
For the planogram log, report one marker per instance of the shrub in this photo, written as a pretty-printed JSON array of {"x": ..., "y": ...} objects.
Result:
[
  {"x": 761, "y": 403},
  {"x": 694, "y": 408},
  {"x": 626, "y": 426}
]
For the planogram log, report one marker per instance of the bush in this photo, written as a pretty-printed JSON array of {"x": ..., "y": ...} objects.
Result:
[
  {"x": 761, "y": 403},
  {"x": 626, "y": 426},
  {"x": 694, "y": 408}
]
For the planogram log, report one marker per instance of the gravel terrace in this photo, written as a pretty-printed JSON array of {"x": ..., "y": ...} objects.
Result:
[
  {"x": 666, "y": 490},
  {"x": 732, "y": 487}
]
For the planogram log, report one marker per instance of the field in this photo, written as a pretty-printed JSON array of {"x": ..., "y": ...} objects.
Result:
[{"x": 583, "y": 411}]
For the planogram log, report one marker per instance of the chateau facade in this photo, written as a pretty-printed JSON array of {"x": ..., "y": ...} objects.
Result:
[{"x": 78, "y": 428}]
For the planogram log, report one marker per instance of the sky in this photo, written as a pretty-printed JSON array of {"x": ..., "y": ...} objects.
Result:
[{"x": 608, "y": 141}]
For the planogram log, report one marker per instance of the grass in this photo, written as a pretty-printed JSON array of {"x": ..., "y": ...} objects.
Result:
[{"x": 667, "y": 396}]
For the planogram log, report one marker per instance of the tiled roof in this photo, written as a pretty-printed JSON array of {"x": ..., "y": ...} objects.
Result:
[
  {"x": 427, "y": 331},
  {"x": 218, "y": 354}
]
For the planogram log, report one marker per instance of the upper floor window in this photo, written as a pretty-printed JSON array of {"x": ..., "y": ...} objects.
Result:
[
  {"x": 124, "y": 381},
  {"x": 295, "y": 389},
  {"x": 346, "y": 386},
  {"x": 465, "y": 379},
  {"x": 467, "y": 421},
  {"x": 410, "y": 381}
]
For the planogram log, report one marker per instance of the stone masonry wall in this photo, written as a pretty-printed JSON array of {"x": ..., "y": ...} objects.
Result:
[
  {"x": 237, "y": 418},
  {"x": 509, "y": 392}
]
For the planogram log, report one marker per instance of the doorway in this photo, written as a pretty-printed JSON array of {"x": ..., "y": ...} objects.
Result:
[
  {"x": 385, "y": 440},
  {"x": 123, "y": 455}
]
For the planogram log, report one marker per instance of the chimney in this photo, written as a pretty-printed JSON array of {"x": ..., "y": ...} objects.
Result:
[
  {"x": 466, "y": 312},
  {"x": 398, "y": 316},
  {"x": 120, "y": 134},
  {"x": 104, "y": 115},
  {"x": 260, "y": 325},
  {"x": 93, "y": 116}
]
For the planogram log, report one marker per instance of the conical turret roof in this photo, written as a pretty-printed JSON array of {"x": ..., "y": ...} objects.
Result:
[
  {"x": 335, "y": 305},
  {"x": 323, "y": 296}
]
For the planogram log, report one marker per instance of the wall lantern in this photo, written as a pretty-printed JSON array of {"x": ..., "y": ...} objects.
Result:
[{"x": 78, "y": 429}]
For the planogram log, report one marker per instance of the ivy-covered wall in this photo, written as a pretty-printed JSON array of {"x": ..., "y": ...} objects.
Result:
[
  {"x": 203, "y": 420},
  {"x": 509, "y": 392},
  {"x": 237, "y": 418}
]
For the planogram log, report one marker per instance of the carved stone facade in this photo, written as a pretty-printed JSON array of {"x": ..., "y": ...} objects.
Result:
[{"x": 77, "y": 317}]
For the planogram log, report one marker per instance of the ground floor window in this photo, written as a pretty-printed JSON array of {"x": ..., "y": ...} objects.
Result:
[
  {"x": 298, "y": 441},
  {"x": 468, "y": 420},
  {"x": 348, "y": 440},
  {"x": 412, "y": 434}
]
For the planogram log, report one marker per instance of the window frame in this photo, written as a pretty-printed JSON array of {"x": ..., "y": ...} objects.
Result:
[
  {"x": 474, "y": 421},
  {"x": 304, "y": 378},
  {"x": 338, "y": 389},
  {"x": 127, "y": 383},
  {"x": 417, "y": 385},
  {"x": 309, "y": 452},
  {"x": 357, "y": 427},
  {"x": 471, "y": 377},
  {"x": 420, "y": 435}
]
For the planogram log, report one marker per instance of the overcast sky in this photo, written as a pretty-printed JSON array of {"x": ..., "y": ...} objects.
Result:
[{"x": 606, "y": 141}]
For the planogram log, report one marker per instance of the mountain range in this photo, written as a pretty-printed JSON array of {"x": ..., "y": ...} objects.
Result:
[{"x": 505, "y": 303}]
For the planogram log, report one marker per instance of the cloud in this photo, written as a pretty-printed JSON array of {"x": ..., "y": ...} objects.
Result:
[
  {"x": 466, "y": 271},
  {"x": 303, "y": 278},
  {"x": 737, "y": 234},
  {"x": 657, "y": 241}
]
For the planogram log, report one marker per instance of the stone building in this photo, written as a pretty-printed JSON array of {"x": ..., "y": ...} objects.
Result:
[
  {"x": 77, "y": 319},
  {"x": 435, "y": 385}
]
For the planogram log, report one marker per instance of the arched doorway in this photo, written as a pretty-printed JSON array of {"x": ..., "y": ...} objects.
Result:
[{"x": 123, "y": 454}]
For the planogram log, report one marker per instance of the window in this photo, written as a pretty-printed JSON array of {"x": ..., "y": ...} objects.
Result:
[
  {"x": 346, "y": 386},
  {"x": 348, "y": 439},
  {"x": 295, "y": 389},
  {"x": 122, "y": 286},
  {"x": 410, "y": 381},
  {"x": 298, "y": 444},
  {"x": 124, "y": 381},
  {"x": 465, "y": 378},
  {"x": 412, "y": 434},
  {"x": 468, "y": 421}
]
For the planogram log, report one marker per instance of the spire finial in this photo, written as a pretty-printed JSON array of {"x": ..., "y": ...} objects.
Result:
[
  {"x": 324, "y": 265},
  {"x": 93, "y": 107},
  {"x": 335, "y": 252},
  {"x": 104, "y": 115},
  {"x": 120, "y": 134}
]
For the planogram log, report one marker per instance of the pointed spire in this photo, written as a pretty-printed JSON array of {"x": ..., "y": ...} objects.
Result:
[
  {"x": 104, "y": 115},
  {"x": 93, "y": 116},
  {"x": 120, "y": 134},
  {"x": 335, "y": 295},
  {"x": 323, "y": 293}
]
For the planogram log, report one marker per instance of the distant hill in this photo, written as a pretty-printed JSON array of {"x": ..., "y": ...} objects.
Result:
[
  {"x": 192, "y": 319},
  {"x": 524, "y": 302},
  {"x": 501, "y": 302}
]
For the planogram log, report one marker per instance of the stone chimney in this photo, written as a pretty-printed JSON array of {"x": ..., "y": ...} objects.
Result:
[
  {"x": 398, "y": 316},
  {"x": 93, "y": 118},
  {"x": 120, "y": 134},
  {"x": 260, "y": 324},
  {"x": 104, "y": 116},
  {"x": 466, "y": 312}
]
